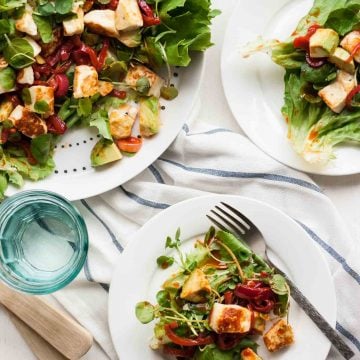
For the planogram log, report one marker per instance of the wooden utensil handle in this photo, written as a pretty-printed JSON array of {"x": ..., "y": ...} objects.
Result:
[
  {"x": 57, "y": 328},
  {"x": 40, "y": 348}
]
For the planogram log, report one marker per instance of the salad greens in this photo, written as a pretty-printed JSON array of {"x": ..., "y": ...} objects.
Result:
[
  {"x": 222, "y": 273},
  {"x": 67, "y": 63},
  {"x": 321, "y": 100}
]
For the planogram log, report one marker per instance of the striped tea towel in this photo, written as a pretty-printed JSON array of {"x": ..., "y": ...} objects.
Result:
[{"x": 206, "y": 160}]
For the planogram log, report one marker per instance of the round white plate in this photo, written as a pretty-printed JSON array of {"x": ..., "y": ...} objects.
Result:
[
  {"x": 254, "y": 86},
  {"x": 138, "y": 278},
  {"x": 74, "y": 177}
]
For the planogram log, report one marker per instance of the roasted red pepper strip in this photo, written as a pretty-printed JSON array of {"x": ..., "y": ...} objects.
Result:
[
  {"x": 250, "y": 293},
  {"x": 102, "y": 54},
  {"x": 119, "y": 94},
  {"x": 302, "y": 42},
  {"x": 228, "y": 297},
  {"x": 178, "y": 340},
  {"x": 351, "y": 95},
  {"x": 148, "y": 15},
  {"x": 264, "y": 306}
]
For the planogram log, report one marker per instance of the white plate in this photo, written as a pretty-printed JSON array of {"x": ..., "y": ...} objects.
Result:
[
  {"x": 254, "y": 87},
  {"x": 138, "y": 278},
  {"x": 74, "y": 177}
]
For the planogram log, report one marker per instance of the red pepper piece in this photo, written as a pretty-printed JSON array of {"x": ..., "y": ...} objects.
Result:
[
  {"x": 178, "y": 340},
  {"x": 102, "y": 54},
  {"x": 56, "y": 125},
  {"x": 62, "y": 85},
  {"x": 250, "y": 293},
  {"x": 352, "y": 94},
  {"x": 119, "y": 94},
  {"x": 148, "y": 15},
  {"x": 264, "y": 306},
  {"x": 302, "y": 42},
  {"x": 228, "y": 297},
  {"x": 63, "y": 67}
]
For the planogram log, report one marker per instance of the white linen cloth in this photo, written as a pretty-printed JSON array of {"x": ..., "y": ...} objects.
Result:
[{"x": 205, "y": 160}]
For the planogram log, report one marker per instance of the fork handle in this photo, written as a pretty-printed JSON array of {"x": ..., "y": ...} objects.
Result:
[{"x": 317, "y": 318}]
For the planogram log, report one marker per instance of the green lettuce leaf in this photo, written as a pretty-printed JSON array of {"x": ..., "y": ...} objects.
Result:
[{"x": 185, "y": 27}]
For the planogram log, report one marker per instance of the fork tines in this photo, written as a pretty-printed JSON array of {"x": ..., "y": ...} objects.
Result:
[{"x": 239, "y": 223}]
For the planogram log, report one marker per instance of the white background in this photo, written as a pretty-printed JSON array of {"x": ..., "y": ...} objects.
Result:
[{"x": 343, "y": 191}]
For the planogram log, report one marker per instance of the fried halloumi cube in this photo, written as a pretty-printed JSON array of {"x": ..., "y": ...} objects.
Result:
[
  {"x": 102, "y": 22},
  {"x": 105, "y": 88},
  {"x": 196, "y": 287},
  {"x": 279, "y": 336},
  {"x": 249, "y": 354},
  {"x": 86, "y": 82},
  {"x": 75, "y": 26},
  {"x": 139, "y": 71},
  {"x": 44, "y": 96},
  {"x": 36, "y": 47},
  {"x": 6, "y": 108},
  {"x": 335, "y": 94},
  {"x": 230, "y": 319},
  {"x": 27, "y": 122},
  {"x": 26, "y": 23},
  {"x": 122, "y": 121},
  {"x": 128, "y": 16},
  {"x": 350, "y": 42},
  {"x": 25, "y": 76}
]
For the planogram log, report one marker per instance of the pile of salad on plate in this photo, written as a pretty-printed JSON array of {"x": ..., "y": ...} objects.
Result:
[
  {"x": 90, "y": 63},
  {"x": 322, "y": 94},
  {"x": 219, "y": 302}
]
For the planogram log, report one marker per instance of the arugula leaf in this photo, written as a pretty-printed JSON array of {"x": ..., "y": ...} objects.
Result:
[
  {"x": 100, "y": 120},
  {"x": 44, "y": 26},
  {"x": 41, "y": 148},
  {"x": 18, "y": 53}
]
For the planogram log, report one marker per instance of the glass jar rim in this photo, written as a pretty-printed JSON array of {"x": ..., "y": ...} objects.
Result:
[{"x": 16, "y": 202}]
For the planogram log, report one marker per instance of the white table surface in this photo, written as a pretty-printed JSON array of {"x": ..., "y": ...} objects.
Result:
[{"x": 342, "y": 190}]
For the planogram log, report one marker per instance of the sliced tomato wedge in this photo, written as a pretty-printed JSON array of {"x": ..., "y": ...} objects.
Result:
[{"x": 131, "y": 144}]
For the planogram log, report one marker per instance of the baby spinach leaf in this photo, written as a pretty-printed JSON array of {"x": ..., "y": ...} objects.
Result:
[
  {"x": 41, "y": 148},
  {"x": 41, "y": 107},
  {"x": 44, "y": 26},
  {"x": 18, "y": 53},
  {"x": 7, "y": 26},
  {"x": 7, "y": 78},
  {"x": 63, "y": 6}
]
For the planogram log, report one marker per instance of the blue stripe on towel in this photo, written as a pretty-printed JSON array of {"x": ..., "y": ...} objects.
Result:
[
  {"x": 340, "y": 259},
  {"x": 246, "y": 175},
  {"x": 348, "y": 335},
  {"x": 91, "y": 279},
  {"x": 210, "y": 132},
  {"x": 112, "y": 235},
  {"x": 156, "y": 174},
  {"x": 145, "y": 202}
]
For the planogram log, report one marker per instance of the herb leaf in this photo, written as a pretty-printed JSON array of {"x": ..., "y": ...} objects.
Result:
[
  {"x": 41, "y": 148},
  {"x": 145, "y": 312},
  {"x": 44, "y": 26},
  {"x": 165, "y": 261},
  {"x": 63, "y": 6},
  {"x": 7, "y": 79}
]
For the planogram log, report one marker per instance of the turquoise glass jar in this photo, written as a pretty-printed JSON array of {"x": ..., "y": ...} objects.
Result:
[{"x": 43, "y": 242}]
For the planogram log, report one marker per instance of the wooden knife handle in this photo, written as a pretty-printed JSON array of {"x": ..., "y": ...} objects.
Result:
[{"x": 57, "y": 328}]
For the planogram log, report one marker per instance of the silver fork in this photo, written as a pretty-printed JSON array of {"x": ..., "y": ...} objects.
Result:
[{"x": 238, "y": 223}]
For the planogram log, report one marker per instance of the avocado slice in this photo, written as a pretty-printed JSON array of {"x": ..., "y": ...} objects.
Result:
[
  {"x": 323, "y": 43},
  {"x": 104, "y": 152}
]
